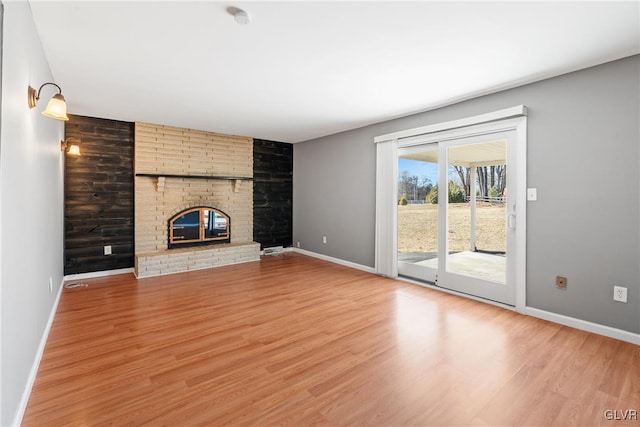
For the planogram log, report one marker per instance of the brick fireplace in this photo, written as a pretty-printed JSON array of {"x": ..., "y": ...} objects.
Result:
[{"x": 179, "y": 170}]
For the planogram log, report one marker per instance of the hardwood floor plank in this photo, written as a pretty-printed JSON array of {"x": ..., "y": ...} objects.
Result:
[{"x": 293, "y": 340}]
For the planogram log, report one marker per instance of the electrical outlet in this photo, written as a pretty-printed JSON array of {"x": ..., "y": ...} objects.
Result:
[
  {"x": 50, "y": 284},
  {"x": 297, "y": 244},
  {"x": 561, "y": 282},
  {"x": 107, "y": 250},
  {"x": 324, "y": 239},
  {"x": 620, "y": 294}
]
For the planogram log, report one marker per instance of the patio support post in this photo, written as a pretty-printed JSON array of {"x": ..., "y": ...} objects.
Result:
[{"x": 472, "y": 202}]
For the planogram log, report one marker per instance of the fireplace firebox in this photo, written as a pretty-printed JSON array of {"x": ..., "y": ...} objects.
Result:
[{"x": 199, "y": 225}]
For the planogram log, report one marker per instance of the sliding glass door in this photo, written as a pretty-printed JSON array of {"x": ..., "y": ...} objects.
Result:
[{"x": 456, "y": 218}]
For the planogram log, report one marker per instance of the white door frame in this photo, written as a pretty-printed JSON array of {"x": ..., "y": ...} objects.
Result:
[{"x": 386, "y": 183}]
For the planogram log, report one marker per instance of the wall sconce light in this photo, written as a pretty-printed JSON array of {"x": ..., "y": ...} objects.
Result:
[
  {"x": 57, "y": 107},
  {"x": 68, "y": 146}
]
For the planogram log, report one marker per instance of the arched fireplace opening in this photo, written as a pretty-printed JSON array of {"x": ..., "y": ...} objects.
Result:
[{"x": 199, "y": 225}]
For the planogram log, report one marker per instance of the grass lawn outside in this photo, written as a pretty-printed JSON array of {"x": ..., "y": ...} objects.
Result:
[{"x": 418, "y": 227}]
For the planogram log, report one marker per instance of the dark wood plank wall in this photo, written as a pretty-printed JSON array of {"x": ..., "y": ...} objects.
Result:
[
  {"x": 272, "y": 193},
  {"x": 98, "y": 205}
]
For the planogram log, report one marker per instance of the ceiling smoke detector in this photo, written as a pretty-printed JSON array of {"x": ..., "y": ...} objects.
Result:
[{"x": 241, "y": 17}]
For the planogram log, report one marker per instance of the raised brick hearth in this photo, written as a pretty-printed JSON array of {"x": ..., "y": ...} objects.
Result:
[{"x": 186, "y": 259}]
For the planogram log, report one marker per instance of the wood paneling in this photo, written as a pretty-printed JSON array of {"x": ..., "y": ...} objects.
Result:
[
  {"x": 293, "y": 340},
  {"x": 272, "y": 193},
  {"x": 98, "y": 206}
]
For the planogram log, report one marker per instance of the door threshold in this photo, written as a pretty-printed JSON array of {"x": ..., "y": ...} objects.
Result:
[{"x": 433, "y": 286}]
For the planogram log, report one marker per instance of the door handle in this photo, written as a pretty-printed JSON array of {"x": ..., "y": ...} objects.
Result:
[{"x": 511, "y": 221}]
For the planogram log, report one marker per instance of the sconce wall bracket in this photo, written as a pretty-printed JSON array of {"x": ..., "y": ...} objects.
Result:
[
  {"x": 32, "y": 97},
  {"x": 70, "y": 145}
]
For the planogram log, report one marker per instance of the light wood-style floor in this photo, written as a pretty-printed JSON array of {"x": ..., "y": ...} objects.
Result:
[{"x": 293, "y": 340}]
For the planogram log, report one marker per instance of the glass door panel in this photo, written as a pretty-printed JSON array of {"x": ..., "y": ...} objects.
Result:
[
  {"x": 476, "y": 213},
  {"x": 477, "y": 216},
  {"x": 418, "y": 212}
]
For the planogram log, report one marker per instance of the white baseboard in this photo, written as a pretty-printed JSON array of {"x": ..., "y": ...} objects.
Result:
[
  {"x": 583, "y": 325},
  {"x": 95, "y": 274},
  {"x": 22, "y": 406},
  {"x": 335, "y": 260}
]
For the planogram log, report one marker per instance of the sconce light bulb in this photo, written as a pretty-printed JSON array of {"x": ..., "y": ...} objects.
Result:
[
  {"x": 57, "y": 108},
  {"x": 74, "y": 150}
]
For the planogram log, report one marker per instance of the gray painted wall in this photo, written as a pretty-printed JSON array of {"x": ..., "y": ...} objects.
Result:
[
  {"x": 31, "y": 196},
  {"x": 583, "y": 157}
]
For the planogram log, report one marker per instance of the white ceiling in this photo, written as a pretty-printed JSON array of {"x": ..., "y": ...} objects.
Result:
[{"x": 302, "y": 70}]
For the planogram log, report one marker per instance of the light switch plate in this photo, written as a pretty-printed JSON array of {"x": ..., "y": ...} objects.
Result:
[{"x": 532, "y": 194}]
